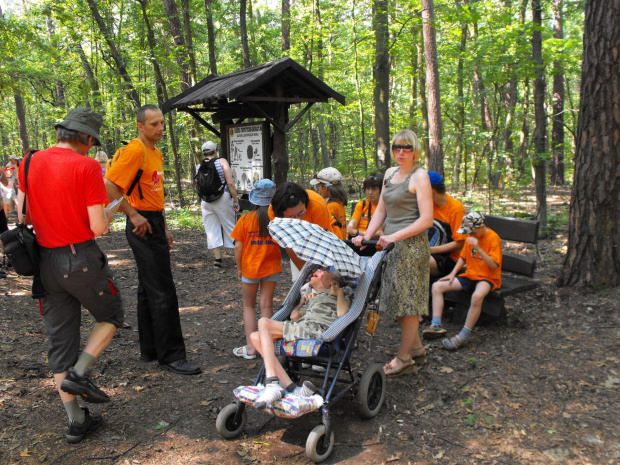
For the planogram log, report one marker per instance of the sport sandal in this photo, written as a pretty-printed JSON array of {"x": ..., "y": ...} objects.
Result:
[
  {"x": 433, "y": 332},
  {"x": 454, "y": 343},
  {"x": 406, "y": 369}
]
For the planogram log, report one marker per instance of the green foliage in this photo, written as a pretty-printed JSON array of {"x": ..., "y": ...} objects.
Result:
[
  {"x": 184, "y": 218},
  {"x": 473, "y": 363},
  {"x": 41, "y": 47}
]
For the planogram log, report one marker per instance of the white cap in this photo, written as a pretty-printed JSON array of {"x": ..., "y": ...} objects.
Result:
[
  {"x": 327, "y": 176},
  {"x": 208, "y": 147},
  {"x": 13, "y": 157},
  {"x": 101, "y": 156}
]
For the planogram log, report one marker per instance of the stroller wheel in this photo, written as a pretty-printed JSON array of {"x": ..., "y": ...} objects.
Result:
[
  {"x": 318, "y": 447},
  {"x": 225, "y": 423},
  {"x": 371, "y": 391}
]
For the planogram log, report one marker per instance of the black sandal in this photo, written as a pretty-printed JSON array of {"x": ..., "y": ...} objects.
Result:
[{"x": 217, "y": 263}]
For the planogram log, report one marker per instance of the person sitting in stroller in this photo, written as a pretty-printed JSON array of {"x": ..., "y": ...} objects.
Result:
[{"x": 313, "y": 315}]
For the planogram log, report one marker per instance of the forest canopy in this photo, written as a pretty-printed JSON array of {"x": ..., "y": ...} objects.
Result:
[{"x": 113, "y": 55}]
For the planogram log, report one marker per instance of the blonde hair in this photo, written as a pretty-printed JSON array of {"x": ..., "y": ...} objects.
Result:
[{"x": 408, "y": 137}]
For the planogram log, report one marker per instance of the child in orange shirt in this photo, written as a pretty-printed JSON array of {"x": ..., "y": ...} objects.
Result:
[
  {"x": 329, "y": 181},
  {"x": 258, "y": 262},
  {"x": 482, "y": 253}
]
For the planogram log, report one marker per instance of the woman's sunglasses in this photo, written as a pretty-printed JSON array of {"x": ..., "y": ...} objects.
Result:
[{"x": 404, "y": 148}]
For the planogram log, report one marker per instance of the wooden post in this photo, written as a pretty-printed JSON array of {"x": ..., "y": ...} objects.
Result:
[{"x": 280, "y": 156}]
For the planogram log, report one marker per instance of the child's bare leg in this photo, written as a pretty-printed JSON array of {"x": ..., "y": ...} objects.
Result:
[
  {"x": 438, "y": 290},
  {"x": 249, "y": 314},
  {"x": 267, "y": 289},
  {"x": 269, "y": 331},
  {"x": 275, "y": 376},
  {"x": 482, "y": 290}
]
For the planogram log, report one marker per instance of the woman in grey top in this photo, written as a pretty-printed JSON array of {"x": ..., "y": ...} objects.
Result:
[{"x": 406, "y": 206}]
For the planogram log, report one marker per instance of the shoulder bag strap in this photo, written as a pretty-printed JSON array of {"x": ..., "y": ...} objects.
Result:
[{"x": 26, "y": 169}]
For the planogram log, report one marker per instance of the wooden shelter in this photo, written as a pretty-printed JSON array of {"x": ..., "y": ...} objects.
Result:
[{"x": 265, "y": 92}]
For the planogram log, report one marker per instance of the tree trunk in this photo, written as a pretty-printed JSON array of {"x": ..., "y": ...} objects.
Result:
[
  {"x": 460, "y": 126},
  {"x": 189, "y": 38},
  {"x": 432, "y": 80},
  {"x": 60, "y": 88},
  {"x": 243, "y": 31},
  {"x": 20, "y": 111},
  {"x": 118, "y": 59},
  {"x": 286, "y": 25},
  {"x": 323, "y": 142},
  {"x": 320, "y": 73},
  {"x": 381, "y": 78},
  {"x": 358, "y": 89},
  {"x": 211, "y": 37},
  {"x": 423, "y": 102},
  {"x": 177, "y": 39},
  {"x": 524, "y": 147},
  {"x": 162, "y": 96},
  {"x": 540, "y": 118},
  {"x": 90, "y": 76},
  {"x": 593, "y": 256},
  {"x": 557, "y": 128}
]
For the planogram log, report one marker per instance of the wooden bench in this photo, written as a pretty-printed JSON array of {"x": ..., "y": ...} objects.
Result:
[{"x": 513, "y": 266}]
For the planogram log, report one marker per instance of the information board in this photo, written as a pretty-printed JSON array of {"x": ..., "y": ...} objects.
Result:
[{"x": 246, "y": 155}]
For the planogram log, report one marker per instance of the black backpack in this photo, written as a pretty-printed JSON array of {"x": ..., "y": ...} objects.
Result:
[
  {"x": 439, "y": 233},
  {"x": 207, "y": 182}
]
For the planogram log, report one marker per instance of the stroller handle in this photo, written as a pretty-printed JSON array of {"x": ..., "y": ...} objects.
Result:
[{"x": 369, "y": 243}]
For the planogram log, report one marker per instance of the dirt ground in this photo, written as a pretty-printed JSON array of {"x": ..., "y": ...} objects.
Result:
[{"x": 541, "y": 386}]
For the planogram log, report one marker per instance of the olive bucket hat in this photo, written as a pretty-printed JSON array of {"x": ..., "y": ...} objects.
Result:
[{"x": 83, "y": 120}]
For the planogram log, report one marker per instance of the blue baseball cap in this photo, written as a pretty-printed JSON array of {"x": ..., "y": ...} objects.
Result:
[{"x": 435, "y": 177}]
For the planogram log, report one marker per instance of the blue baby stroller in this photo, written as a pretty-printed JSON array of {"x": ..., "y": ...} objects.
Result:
[{"x": 331, "y": 351}]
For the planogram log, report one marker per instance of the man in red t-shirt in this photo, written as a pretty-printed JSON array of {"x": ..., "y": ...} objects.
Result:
[{"x": 73, "y": 270}]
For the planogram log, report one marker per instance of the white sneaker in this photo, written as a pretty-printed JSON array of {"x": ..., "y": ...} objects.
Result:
[
  {"x": 306, "y": 390},
  {"x": 317, "y": 368},
  {"x": 271, "y": 393}
]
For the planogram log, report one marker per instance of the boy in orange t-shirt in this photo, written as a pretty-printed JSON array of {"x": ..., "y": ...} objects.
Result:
[
  {"x": 258, "y": 262},
  {"x": 482, "y": 253}
]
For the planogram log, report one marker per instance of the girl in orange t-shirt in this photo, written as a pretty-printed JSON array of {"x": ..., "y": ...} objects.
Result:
[{"x": 258, "y": 262}]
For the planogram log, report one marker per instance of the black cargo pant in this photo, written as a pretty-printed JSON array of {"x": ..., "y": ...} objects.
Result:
[{"x": 159, "y": 324}]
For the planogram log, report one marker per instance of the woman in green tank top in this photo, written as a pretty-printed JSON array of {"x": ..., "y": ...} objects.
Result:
[{"x": 406, "y": 206}]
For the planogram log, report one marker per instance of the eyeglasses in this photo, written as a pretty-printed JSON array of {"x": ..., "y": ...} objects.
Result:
[
  {"x": 404, "y": 148},
  {"x": 298, "y": 215},
  {"x": 374, "y": 178}
]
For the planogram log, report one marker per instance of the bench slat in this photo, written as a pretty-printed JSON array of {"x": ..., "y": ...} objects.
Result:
[
  {"x": 513, "y": 229},
  {"x": 512, "y": 285},
  {"x": 519, "y": 264}
]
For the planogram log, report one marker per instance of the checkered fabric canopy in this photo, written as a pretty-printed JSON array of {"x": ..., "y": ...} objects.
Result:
[{"x": 316, "y": 245}]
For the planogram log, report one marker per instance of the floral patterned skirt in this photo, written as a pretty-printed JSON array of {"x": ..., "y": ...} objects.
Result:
[{"x": 405, "y": 282}]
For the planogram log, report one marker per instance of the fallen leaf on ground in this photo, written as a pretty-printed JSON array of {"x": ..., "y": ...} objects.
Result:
[
  {"x": 25, "y": 453},
  {"x": 446, "y": 370}
]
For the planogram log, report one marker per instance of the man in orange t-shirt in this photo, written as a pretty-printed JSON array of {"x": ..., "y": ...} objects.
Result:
[
  {"x": 482, "y": 253},
  {"x": 159, "y": 324},
  {"x": 293, "y": 201},
  {"x": 450, "y": 211}
]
